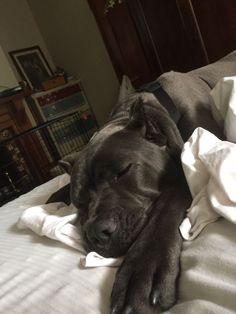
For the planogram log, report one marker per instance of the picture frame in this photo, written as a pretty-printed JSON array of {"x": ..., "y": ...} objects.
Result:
[{"x": 32, "y": 66}]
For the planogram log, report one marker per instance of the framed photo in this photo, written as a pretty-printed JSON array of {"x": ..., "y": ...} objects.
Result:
[{"x": 31, "y": 65}]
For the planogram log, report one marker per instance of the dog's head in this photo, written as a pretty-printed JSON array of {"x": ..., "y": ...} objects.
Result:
[{"x": 119, "y": 174}]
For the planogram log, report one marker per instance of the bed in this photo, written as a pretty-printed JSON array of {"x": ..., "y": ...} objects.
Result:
[{"x": 41, "y": 275}]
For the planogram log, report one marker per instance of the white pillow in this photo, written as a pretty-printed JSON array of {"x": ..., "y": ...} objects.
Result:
[{"x": 224, "y": 106}]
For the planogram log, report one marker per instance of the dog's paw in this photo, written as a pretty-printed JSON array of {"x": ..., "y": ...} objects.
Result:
[
  {"x": 143, "y": 288},
  {"x": 163, "y": 291}
]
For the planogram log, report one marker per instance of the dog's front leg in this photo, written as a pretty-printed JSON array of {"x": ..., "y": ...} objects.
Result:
[
  {"x": 61, "y": 195},
  {"x": 146, "y": 281}
]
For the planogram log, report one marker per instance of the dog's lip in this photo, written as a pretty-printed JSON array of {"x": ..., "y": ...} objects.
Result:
[
  {"x": 91, "y": 246},
  {"x": 104, "y": 250}
]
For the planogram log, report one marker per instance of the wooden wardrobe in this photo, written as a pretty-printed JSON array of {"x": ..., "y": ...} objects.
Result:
[{"x": 148, "y": 37}]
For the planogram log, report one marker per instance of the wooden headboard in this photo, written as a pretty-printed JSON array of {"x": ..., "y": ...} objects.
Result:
[{"x": 148, "y": 37}]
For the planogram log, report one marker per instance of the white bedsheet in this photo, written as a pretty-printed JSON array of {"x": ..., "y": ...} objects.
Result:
[
  {"x": 210, "y": 169},
  {"x": 210, "y": 165},
  {"x": 40, "y": 275},
  {"x": 55, "y": 221}
]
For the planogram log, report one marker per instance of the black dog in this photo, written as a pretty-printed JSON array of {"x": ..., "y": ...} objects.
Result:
[{"x": 130, "y": 189}]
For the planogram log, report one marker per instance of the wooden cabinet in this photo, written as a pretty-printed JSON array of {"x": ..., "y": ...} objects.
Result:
[
  {"x": 29, "y": 154},
  {"x": 148, "y": 37},
  {"x": 122, "y": 41},
  {"x": 23, "y": 161},
  {"x": 215, "y": 20}
]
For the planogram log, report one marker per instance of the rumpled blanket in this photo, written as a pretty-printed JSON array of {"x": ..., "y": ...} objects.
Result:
[{"x": 210, "y": 165}]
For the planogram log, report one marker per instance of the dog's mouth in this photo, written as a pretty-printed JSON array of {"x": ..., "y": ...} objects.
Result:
[
  {"x": 107, "y": 245},
  {"x": 100, "y": 248},
  {"x": 112, "y": 237}
]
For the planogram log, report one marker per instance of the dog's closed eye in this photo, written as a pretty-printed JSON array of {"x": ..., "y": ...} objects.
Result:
[
  {"x": 106, "y": 176},
  {"x": 123, "y": 171}
]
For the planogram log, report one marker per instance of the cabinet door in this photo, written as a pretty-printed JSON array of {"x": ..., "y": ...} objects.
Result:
[
  {"x": 123, "y": 43},
  {"x": 216, "y": 21},
  {"x": 169, "y": 34},
  {"x": 148, "y": 37}
]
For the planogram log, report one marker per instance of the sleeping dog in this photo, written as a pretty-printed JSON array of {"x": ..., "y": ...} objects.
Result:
[{"x": 130, "y": 189}]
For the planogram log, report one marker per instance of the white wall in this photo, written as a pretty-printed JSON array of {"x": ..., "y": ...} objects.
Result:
[
  {"x": 19, "y": 30},
  {"x": 74, "y": 41},
  {"x": 7, "y": 76}
]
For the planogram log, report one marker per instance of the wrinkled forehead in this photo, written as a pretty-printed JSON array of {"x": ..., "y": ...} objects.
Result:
[
  {"x": 123, "y": 110},
  {"x": 106, "y": 132},
  {"x": 122, "y": 148},
  {"x": 113, "y": 144},
  {"x": 101, "y": 145}
]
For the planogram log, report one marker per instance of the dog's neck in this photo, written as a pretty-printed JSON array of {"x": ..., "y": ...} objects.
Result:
[{"x": 163, "y": 98}]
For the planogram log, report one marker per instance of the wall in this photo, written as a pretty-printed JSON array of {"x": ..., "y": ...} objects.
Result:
[
  {"x": 18, "y": 30},
  {"x": 7, "y": 76},
  {"x": 72, "y": 36}
]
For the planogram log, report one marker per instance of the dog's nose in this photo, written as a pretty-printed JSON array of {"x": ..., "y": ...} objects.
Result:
[{"x": 101, "y": 230}]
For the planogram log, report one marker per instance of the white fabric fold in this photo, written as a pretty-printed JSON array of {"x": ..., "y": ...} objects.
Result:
[
  {"x": 210, "y": 168},
  {"x": 55, "y": 221},
  {"x": 224, "y": 106},
  {"x": 210, "y": 165},
  {"x": 93, "y": 259}
]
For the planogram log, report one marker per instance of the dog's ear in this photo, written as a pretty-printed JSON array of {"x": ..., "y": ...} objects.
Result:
[
  {"x": 145, "y": 126},
  {"x": 78, "y": 177},
  {"x": 68, "y": 161},
  {"x": 80, "y": 183},
  {"x": 137, "y": 119}
]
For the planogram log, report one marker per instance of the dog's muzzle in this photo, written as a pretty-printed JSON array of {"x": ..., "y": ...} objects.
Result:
[{"x": 100, "y": 230}]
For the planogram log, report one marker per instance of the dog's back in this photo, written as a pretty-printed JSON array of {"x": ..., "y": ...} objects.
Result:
[{"x": 191, "y": 94}]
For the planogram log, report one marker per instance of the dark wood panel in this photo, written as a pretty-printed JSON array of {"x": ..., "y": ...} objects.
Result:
[
  {"x": 170, "y": 35},
  {"x": 4, "y": 100},
  {"x": 4, "y": 118},
  {"x": 217, "y": 23},
  {"x": 34, "y": 153},
  {"x": 35, "y": 157},
  {"x": 145, "y": 37},
  {"x": 122, "y": 42},
  {"x": 192, "y": 30},
  {"x": 3, "y": 110},
  {"x": 134, "y": 61},
  {"x": 148, "y": 37},
  {"x": 13, "y": 114}
]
